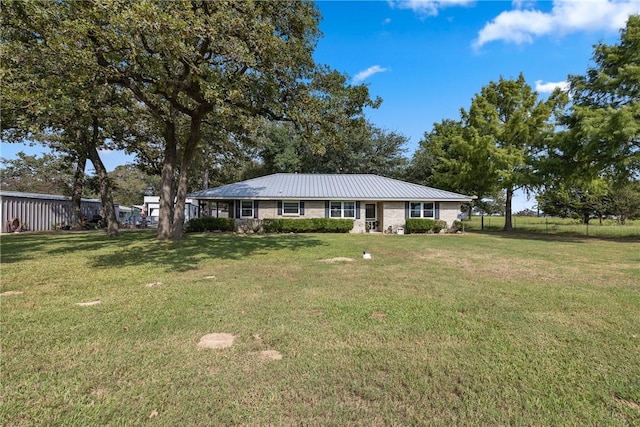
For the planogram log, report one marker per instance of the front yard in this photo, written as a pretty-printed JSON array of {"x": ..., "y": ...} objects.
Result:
[{"x": 467, "y": 329}]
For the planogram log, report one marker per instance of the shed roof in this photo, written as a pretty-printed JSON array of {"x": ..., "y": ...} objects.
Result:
[
  {"x": 24, "y": 195},
  {"x": 283, "y": 186}
]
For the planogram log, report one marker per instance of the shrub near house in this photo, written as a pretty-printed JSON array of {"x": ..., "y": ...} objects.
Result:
[
  {"x": 415, "y": 226},
  {"x": 210, "y": 224}
]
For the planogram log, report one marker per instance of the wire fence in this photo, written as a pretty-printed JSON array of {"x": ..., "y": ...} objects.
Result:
[{"x": 553, "y": 225}]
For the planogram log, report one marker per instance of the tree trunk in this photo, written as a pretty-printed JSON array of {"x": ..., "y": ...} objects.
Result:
[
  {"x": 105, "y": 186},
  {"x": 507, "y": 210},
  {"x": 183, "y": 179},
  {"x": 165, "y": 221},
  {"x": 78, "y": 183}
]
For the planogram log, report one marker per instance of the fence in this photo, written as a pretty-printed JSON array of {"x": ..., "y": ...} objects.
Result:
[{"x": 552, "y": 225}]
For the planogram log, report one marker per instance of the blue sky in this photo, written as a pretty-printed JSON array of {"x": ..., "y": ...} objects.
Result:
[{"x": 427, "y": 59}]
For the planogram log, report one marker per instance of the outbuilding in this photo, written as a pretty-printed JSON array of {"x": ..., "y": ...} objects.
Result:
[{"x": 39, "y": 212}]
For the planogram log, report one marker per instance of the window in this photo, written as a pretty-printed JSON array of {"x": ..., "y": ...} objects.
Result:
[
  {"x": 427, "y": 210},
  {"x": 342, "y": 209},
  {"x": 291, "y": 208},
  {"x": 246, "y": 209},
  {"x": 421, "y": 210},
  {"x": 416, "y": 210}
]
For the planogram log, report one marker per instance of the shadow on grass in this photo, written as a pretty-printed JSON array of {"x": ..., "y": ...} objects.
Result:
[
  {"x": 193, "y": 249},
  {"x": 139, "y": 248},
  {"x": 27, "y": 246}
]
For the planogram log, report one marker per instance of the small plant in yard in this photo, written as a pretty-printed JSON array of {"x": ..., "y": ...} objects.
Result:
[{"x": 299, "y": 329}]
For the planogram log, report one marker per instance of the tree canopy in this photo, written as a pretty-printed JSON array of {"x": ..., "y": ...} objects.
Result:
[
  {"x": 490, "y": 149},
  {"x": 192, "y": 64},
  {"x": 603, "y": 123}
]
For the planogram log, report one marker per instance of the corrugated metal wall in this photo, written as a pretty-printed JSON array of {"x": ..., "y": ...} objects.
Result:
[{"x": 39, "y": 214}]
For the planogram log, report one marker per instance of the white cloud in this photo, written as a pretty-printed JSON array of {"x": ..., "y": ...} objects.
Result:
[
  {"x": 363, "y": 75},
  {"x": 427, "y": 7},
  {"x": 566, "y": 16},
  {"x": 551, "y": 86}
]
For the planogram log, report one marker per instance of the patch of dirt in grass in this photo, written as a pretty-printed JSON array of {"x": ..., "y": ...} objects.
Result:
[
  {"x": 336, "y": 259},
  {"x": 270, "y": 355},
  {"x": 152, "y": 284},
  {"x": 216, "y": 340},
  {"x": 7, "y": 293},
  {"x": 98, "y": 391},
  {"x": 88, "y": 303},
  {"x": 627, "y": 403},
  {"x": 379, "y": 315}
]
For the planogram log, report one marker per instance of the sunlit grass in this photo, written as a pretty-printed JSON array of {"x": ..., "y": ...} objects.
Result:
[
  {"x": 553, "y": 225},
  {"x": 465, "y": 329}
]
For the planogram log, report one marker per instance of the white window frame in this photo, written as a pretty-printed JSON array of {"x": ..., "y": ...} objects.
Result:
[
  {"x": 333, "y": 209},
  {"x": 291, "y": 203},
  {"x": 421, "y": 209},
  {"x": 243, "y": 208}
]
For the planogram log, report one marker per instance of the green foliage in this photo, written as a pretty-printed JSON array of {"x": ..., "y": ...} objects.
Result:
[
  {"x": 209, "y": 224},
  {"x": 571, "y": 201},
  {"x": 456, "y": 226},
  {"x": 593, "y": 199},
  {"x": 424, "y": 225},
  {"x": 603, "y": 134},
  {"x": 177, "y": 75},
  {"x": 359, "y": 148},
  {"x": 625, "y": 201},
  {"x": 130, "y": 184},
  {"x": 47, "y": 174},
  {"x": 307, "y": 225},
  {"x": 491, "y": 149}
]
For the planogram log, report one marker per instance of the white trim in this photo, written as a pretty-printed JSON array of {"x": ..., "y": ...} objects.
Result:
[
  {"x": 342, "y": 209},
  {"x": 242, "y": 208},
  {"x": 423, "y": 208},
  {"x": 284, "y": 209}
]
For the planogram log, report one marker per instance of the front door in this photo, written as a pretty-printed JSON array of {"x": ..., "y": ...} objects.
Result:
[{"x": 370, "y": 216}]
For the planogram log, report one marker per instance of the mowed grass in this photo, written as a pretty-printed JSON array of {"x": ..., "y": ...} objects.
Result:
[
  {"x": 471, "y": 329},
  {"x": 554, "y": 225}
]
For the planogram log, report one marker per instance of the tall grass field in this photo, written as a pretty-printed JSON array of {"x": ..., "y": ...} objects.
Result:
[{"x": 437, "y": 330}]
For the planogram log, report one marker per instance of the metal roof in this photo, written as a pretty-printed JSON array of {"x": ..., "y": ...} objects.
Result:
[
  {"x": 290, "y": 186},
  {"x": 23, "y": 195}
]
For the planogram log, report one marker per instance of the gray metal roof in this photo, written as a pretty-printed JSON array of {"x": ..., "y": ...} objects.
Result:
[
  {"x": 23, "y": 195},
  {"x": 288, "y": 186}
]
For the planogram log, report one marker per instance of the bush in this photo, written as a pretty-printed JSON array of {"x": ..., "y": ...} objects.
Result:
[
  {"x": 209, "y": 224},
  {"x": 439, "y": 226},
  {"x": 307, "y": 225},
  {"x": 422, "y": 225},
  {"x": 457, "y": 226}
]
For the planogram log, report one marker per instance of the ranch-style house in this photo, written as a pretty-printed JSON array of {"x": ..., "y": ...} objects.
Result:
[{"x": 375, "y": 203}]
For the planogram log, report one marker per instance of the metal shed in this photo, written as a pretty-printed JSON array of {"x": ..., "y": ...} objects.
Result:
[{"x": 39, "y": 212}]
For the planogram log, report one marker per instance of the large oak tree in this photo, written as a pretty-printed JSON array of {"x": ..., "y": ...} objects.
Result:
[{"x": 193, "y": 64}]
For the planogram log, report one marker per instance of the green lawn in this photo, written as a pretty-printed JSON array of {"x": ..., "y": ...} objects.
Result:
[
  {"x": 554, "y": 225},
  {"x": 471, "y": 329}
]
